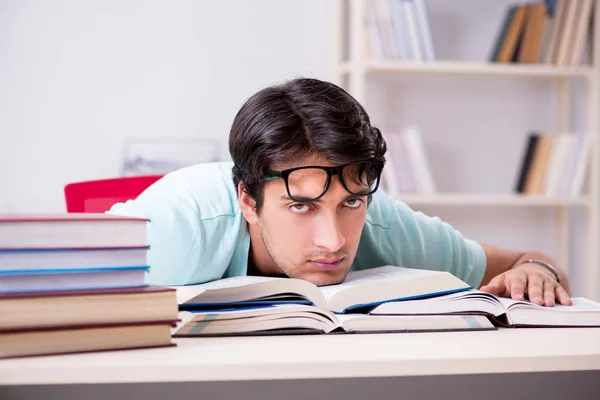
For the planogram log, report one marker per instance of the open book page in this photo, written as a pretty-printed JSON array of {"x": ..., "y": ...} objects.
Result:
[
  {"x": 466, "y": 302},
  {"x": 236, "y": 281},
  {"x": 277, "y": 311},
  {"x": 373, "y": 275},
  {"x": 251, "y": 290},
  {"x": 411, "y": 323},
  {"x": 583, "y": 312},
  {"x": 256, "y": 319},
  {"x": 185, "y": 293},
  {"x": 388, "y": 283},
  {"x": 580, "y": 304}
]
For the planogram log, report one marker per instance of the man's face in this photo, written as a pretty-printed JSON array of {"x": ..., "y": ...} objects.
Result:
[{"x": 317, "y": 240}]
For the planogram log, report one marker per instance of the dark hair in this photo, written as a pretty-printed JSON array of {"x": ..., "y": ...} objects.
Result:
[{"x": 296, "y": 119}]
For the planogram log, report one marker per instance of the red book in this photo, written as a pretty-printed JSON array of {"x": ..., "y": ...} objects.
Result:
[
  {"x": 78, "y": 339},
  {"x": 35, "y": 310}
]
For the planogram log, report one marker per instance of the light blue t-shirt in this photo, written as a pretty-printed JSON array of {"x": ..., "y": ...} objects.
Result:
[{"x": 198, "y": 234}]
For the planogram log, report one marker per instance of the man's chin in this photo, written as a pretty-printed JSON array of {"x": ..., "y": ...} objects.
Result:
[{"x": 324, "y": 278}]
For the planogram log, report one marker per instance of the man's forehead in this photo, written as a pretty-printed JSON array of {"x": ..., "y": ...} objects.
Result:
[{"x": 312, "y": 160}]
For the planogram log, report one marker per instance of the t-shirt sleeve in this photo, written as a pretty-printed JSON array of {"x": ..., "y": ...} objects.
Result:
[
  {"x": 181, "y": 250},
  {"x": 397, "y": 235}
]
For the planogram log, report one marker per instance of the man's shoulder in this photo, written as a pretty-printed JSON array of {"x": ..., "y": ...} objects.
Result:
[
  {"x": 385, "y": 210},
  {"x": 200, "y": 191},
  {"x": 210, "y": 185}
]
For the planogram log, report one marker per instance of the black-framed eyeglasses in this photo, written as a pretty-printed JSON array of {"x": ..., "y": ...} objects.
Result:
[{"x": 310, "y": 183}]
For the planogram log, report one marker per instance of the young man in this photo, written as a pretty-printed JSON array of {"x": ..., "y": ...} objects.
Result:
[{"x": 301, "y": 200}]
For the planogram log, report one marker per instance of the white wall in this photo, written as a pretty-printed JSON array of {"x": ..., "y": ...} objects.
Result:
[{"x": 77, "y": 78}]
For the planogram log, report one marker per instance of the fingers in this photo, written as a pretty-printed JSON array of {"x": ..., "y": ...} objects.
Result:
[
  {"x": 536, "y": 286},
  {"x": 496, "y": 286},
  {"x": 562, "y": 296},
  {"x": 517, "y": 286},
  {"x": 549, "y": 294}
]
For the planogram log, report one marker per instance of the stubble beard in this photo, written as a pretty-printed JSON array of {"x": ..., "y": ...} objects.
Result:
[{"x": 295, "y": 271}]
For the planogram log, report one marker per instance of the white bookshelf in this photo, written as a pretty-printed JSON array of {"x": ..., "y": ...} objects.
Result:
[
  {"x": 468, "y": 68},
  {"x": 354, "y": 69},
  {"x": 495, "y": 200}
]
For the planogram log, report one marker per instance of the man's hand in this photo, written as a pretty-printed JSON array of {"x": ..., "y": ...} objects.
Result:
[{"x": 529, "y": 279}]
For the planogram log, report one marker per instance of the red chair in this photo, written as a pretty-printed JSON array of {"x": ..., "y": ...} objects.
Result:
[{"x": 99, "y": 196}]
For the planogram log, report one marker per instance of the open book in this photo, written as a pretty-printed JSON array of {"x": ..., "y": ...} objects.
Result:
[
  {"x": 300, "y": 318},
  {"x": 360, "y": 289},
  {"x": 505, "y": 312},
  {"x": 251, "y": 305}
]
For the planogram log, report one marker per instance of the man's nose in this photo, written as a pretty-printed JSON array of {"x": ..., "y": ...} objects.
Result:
[{"x": 328, "y": 234}]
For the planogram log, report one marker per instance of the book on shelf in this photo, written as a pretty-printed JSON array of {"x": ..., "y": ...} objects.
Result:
[
  {"x": 502, "y": 311},
  {"x": 251, "y": 304},
  {"x": 398, "y": 30},
  {"x": 76, "y": 282},
  {"x": 552, "y": 32},
  {"x": 554, "y": 164},
  {"x": 407, "y": 167}
]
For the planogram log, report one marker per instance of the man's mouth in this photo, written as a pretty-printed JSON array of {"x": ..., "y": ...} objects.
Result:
[{"x": 327, "y": 264}]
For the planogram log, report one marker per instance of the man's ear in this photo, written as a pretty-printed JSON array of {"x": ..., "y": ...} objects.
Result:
[{"x": 247, "y": 205}]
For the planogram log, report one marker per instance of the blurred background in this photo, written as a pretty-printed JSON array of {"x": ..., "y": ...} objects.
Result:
[{"x": 92, "y": 90}]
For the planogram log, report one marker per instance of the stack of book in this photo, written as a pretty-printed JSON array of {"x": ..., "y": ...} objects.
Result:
[
  {"x": 383, "y": 299},
  {"x": 76, "y": 282},
  {"x": 554, "y": 165},
  {"x": 550, "y": 32},
  {"x": 399, "y": 30}
]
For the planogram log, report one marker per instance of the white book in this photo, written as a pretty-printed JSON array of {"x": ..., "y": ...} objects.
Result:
[
  {"x": 413, "y": 34},
  {"x": 290, "y": 319},
  {"x": 503, "y": 311},
  {"x": 557, "y": 29},
  {"x": 424, "y": 30},
  {"x": 384, "y": 18},
  {"x": 581, "y": 166},
  {"x": 580, "y": 36},
  {"x": 571, "y": 162},
  {"x": 397, "y": 153},
  {"x": 360, "y": 289},
  {"x": 567, "y": 33},
  {"x": 400, "y": 30},
  {"x": 389, "y": 178},
  {"x": 46, "y": 259},
  {"x": 41, "y": 281},
  {"x": 561, "y": 148},
  {"x": 72, "y": 230},
  {"x": 417, "y": 155},
  {"x": 264, "y": 305},
  {"x": 374, "y": 31}
]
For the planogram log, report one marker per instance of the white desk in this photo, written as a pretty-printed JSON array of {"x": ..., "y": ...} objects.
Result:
[{"x": 319, "y": 357}]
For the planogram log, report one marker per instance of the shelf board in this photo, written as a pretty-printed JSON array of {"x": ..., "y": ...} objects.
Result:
[
  {"x": 466, "y": 199},
  {"x": 471, "y": 68}
]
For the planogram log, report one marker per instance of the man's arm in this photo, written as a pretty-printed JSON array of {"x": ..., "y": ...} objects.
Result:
[{"x": 508, "y": 275}]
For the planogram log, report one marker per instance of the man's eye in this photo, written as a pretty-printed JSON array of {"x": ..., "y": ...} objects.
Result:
[
  {"x": 354, "y": 203},
  {"x": 299, "y": 208}
]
